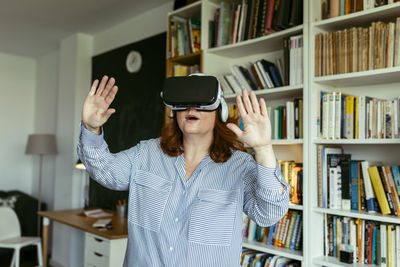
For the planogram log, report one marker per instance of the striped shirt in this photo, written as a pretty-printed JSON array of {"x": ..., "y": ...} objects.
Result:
[{"x": 174, "y": 222}]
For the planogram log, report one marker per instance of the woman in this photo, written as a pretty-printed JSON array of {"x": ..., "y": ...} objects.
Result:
[{"x": 188, "y": 189}]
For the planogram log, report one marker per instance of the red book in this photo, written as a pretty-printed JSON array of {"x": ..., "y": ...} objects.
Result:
[
  {"x": 270, "y": 14},
  {"x": 370, "y": 245}
]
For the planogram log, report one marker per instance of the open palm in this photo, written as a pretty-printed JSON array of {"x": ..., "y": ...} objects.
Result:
[
  {"x": 96, "y": 109},
  {"x": 256, "y": 124}
]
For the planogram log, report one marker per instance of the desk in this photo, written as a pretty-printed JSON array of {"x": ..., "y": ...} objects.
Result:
[{"x": 76, "y": 218}]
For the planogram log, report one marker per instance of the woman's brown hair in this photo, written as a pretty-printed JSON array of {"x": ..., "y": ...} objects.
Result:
[{"x": 220, "y": 150}]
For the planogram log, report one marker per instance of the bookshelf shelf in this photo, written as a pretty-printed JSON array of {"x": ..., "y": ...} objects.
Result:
[
  {"x": 358, "y": 141},
  {"x": 285, "y": 252},
  {"x": 361, "y": 214},
  {"x": 274, "y": 93},
  {"x": 359, "y": 18},
  {"x": 295, "y": 207},
  {"x": 187, "y": 59},
  {"x": 187, "y": 11},
  {"x": 265, "y": 44},
  {"x": 284, "y": 142},
  {"x": 334, "y": 262},
  {"x": 370, "y": 77}
]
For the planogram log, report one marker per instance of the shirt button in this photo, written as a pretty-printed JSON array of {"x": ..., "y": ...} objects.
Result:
[
  {"x": 184, "y": 192},
  {"x": 176, "y": 219},
  {"x": 171, "y": 248}
]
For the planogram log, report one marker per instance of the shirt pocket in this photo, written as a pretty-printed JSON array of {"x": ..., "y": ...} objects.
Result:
[
  {"x": 213, "y": 217},
  {"x": 148, "y": 200}
]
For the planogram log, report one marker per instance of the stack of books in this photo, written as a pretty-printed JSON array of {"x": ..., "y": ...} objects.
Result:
[
  {"x": 358, "y": 117},
  {"x": 185, "y": 36},
  {"x": 371, "y": 242},
  {"x": 358, "y": 49},
  {"x": 287, "y": 233},
  {"x": 346, "y": 184},
  {"x": 252, "y": 258},
  {"x": 247, "y": 19}
]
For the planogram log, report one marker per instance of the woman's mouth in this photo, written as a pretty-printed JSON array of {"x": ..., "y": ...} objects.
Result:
[{"x": 191, "y": 117}]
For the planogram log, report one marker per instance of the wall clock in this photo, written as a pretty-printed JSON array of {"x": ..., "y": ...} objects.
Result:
[{"x": 133, "y": 61}]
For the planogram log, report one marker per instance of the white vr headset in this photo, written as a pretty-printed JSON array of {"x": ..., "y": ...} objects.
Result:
[{"x": 199, "y": 91}]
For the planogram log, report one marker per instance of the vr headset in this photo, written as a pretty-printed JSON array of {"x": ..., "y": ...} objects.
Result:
[{"x": 199, "y": 91}]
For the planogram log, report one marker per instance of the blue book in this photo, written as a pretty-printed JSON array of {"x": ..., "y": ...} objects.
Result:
[
  {"x": 396, "y": 177},
  {"x": 341, "y": 10},
  {"x": 355, "y": 204},
  {"x": 270, "y": 234},
  {"x": 373, "y": 244}
]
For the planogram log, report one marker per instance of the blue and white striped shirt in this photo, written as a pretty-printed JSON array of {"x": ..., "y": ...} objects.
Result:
[{"x": 174, "y": 222}]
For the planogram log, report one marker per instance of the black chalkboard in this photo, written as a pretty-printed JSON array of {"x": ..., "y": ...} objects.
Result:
[{"x": 139, "y": 109}]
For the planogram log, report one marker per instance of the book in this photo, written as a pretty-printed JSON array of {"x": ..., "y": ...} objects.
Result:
[
  {"x": 97, "y": 213},
  {"x": 378, "y": 189},
  {"x": 371, "y": 201}
]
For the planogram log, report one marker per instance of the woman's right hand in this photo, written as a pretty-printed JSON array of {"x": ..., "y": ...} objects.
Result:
[{"x": 96, "y": 111}]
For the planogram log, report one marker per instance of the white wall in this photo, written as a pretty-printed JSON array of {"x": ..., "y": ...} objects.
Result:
[
  {"x": 140, "y": 27},
  {"x": 46, "y": 117},
  {"x": 17, "y": 93}
]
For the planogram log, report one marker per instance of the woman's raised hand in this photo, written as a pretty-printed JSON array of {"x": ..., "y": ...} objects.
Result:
[
  {"x": 256, "y": 125},
  {"x": 96, "y": 111}
]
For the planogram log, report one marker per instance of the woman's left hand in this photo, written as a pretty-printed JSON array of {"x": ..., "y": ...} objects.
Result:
[{"x": 256, "y": 124}]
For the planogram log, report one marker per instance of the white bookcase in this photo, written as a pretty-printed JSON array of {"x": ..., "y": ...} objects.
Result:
[
  {"x": 384, "y": 83},
  {"x": 218, "y": 60},
  {"x": 381, "y": 83}
]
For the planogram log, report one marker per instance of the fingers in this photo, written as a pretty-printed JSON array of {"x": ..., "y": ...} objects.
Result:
[
  {"x": 264, "y": 110},
  {"x": 109, "y": 86},
  {"x": 235, "y": 129},
  {"x": 93, "y": 88},
  {"x": 111, "y": 95},
  {"x": 254, "y": 102},
  {"x": 246, "y": 102},
  {"x": 239, "y": 103},
  {"x": 102, "y": 85}
]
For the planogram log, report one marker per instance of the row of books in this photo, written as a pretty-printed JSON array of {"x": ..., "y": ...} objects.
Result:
[
  {"x": 334, "y": 8},
  {"x": 358, "y": 117},
  {"x": 286, "y": 120},
  {"x": 185, "y": 70},
  {"x": 247, "y": 19},
  {"x": 346, "y": 184},
  {"x": 287, "y": 233},
  {"x": 253, "y": 258},
  {"x": 293, "y": 174},
  {"x": 371, "y": 242},
  {"x": 185, "y": 36},
  {"x": 358, "y": 49}
]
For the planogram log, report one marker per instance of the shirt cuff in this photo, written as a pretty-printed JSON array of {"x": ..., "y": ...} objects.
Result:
[
  {"x": 89, "y": 138},
  {"x": 273, "y": 177}
]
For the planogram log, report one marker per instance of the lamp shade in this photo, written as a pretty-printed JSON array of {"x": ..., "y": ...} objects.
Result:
[
  {"x": 41, "y": 144},
  {"x": 79, "y": 165}
]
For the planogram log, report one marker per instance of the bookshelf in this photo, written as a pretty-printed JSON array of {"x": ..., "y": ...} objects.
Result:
[
  {"x": 380, "y": 83},
  {"x": 218, "y": 61}
]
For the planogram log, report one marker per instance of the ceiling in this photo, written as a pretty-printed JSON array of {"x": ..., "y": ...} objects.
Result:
[{"x": 34, "y": 27}]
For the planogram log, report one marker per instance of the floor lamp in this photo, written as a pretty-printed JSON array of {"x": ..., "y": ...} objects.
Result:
[
  {"x": 79, "y": 165},
  {"x": 41, "y": 144}
]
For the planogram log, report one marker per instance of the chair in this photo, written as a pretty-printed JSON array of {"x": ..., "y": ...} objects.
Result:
[{"x": 10, "y": 236}]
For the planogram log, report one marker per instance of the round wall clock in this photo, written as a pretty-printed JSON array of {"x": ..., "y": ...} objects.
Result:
[{"x": 133, "y": 61}]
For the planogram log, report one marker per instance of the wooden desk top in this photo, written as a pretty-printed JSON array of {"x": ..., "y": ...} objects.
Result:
[{"x": 76, "y": 218}]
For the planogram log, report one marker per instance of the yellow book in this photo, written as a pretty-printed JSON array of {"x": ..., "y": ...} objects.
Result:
[
  {"x": 389, "y": 246},
  {"x": 349, "y": 117},
  {"x": 356, "y": 117},
  {"x": 378, "y": 189}
]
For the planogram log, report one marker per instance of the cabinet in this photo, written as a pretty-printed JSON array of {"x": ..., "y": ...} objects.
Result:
[{"x": 103, "y": 252}]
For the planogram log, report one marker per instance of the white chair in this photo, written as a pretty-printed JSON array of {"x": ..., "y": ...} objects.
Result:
[{"x": 10, "y": 236}]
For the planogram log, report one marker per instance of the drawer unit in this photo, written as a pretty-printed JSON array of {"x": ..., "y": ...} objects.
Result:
[{"x": 103, "y": 252}]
